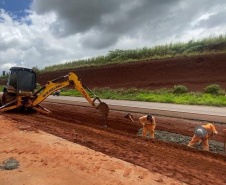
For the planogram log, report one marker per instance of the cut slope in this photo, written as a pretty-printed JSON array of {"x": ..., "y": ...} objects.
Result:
[{"x": 196, "y": 72}]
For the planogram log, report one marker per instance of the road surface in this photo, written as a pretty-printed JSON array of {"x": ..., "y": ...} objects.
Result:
[{"x": 204, "y": 113}]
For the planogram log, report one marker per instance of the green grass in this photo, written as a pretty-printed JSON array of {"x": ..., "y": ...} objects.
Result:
[{"x": 161, "y": 96}]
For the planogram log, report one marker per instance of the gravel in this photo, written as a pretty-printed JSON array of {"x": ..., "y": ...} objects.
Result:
[
  {"x": 10, "y": 164},
  {"x": 215, "y": 146}
]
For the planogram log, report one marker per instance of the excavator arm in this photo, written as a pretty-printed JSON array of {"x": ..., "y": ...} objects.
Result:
[
  {"x": 54, "y": 85},
  {"x": 62, "y": 82}
]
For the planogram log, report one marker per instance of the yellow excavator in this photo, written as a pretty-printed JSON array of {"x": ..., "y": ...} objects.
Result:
[{"x": 20, "y": 93}]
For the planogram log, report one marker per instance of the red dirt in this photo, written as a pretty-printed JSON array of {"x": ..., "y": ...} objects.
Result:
[
  {"x": 49, "y": 160},
  {"x": 82, "y": 125},
  {"x": 195, "y": 72}
]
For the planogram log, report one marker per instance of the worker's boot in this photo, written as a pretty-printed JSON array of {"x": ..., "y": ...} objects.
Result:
[{"x": 190, "y": 146}]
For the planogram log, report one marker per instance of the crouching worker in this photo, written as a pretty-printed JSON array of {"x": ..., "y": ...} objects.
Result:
[
  {"x": 148, "y": 123},
  {"x": 201, "y": 135}
]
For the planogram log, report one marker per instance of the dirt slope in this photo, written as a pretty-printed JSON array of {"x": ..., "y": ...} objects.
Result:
[{"x": 195, "y": 72}]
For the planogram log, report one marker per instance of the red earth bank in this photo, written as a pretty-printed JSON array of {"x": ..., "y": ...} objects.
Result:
[{"x": 195, "y": 72}]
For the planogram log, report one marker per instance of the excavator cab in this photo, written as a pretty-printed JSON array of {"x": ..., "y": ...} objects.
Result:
[{"x": 21, "y": 81}]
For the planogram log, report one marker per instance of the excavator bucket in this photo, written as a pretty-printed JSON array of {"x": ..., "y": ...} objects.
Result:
[{"x": 104, "y": 109}]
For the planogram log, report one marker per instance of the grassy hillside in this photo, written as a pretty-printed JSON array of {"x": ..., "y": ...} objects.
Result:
[{"x": 193, "y": 47}]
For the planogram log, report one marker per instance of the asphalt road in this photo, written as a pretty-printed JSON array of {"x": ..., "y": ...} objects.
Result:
[{"x": 205, "y": 113}]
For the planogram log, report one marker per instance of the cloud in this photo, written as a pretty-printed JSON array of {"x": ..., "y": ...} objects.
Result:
[
  {"x": 215, "y": 20},
  {"x": 103, "y": 23},
  {"x": 33, "y": 44},
  {"x": 75, "y": 16},
  {"x": 106, "y": 20}
]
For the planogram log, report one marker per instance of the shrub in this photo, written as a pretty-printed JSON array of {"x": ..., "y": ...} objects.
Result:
[
  {"x": 222, "y": 92},
  {"x": 180, "y": 89},
  {"x": 1, "y": 88},
  {"x": 213, "y": 89}
]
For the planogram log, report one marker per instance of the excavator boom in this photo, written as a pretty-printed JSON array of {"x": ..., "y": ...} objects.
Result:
[{"x": 54, "y": 85}]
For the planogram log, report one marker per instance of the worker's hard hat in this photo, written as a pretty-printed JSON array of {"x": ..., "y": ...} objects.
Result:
[
  {"x": 200, "y": 131},
  {"x": 149, "y": 116}
]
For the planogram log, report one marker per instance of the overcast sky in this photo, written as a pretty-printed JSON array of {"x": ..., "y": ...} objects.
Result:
[{"x": 47, "y": 32}]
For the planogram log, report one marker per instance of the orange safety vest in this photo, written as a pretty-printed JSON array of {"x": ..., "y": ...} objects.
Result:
[{"x": 209, "y": 127}]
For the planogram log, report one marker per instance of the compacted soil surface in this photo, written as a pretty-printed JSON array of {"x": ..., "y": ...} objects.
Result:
[{"x": 147, "y": 161}]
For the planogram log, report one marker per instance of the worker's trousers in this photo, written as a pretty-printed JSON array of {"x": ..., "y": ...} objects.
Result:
[
  {"x": 205, "y": 142},
  {"x": 150, "y": 128}
]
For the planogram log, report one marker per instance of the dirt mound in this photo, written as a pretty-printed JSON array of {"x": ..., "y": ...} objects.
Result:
[{"x": 196, "y": 72}]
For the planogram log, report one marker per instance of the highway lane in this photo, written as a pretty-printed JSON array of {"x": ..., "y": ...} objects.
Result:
[{"x": 205, "y": 113}]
